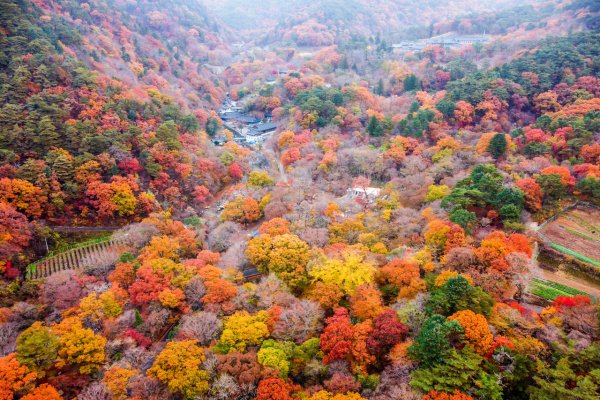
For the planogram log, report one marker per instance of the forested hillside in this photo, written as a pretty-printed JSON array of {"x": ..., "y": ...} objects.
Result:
[
  {"x": 186, "y": 213},
  {"x": 325, "y": 22},
  {"x": 81, "y": 146},
  {"x": 536, "y": 20}
]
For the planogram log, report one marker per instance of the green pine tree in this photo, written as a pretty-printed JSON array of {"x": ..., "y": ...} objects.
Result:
[
  {"x": 410, "y": 82},
  {"x": 498, "y": 145},
  {"x": 380, "y": 88},
  {"x": 138, "y": 319},
  {"x": 47, "y": 136},
  {"x": 18, "y": 83},
  {"x": 344, "y": 64},
  {"x": 372, "y": 127},
  {"x": 63, "y": 168}
]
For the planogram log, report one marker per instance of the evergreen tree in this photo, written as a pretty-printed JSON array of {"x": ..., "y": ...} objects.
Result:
[
  {"x": 138, "y": 319},
  {"x": 380, "y": 88},
  {"x": 414, "y": 107},
  {"x": 29, "y": 171},
  {"x": 447, "y": 108},
  {"x": 18, "y": 84},
  {"x": 212, "y": 126},
  {"x": 189, "y": 123},
  {"x": 516, "y": 133},
  {"x": 509, "y": 212},
  {"x": 47, "y": 136},
  {"x": 552, "y": 187},
  {"x": 63, "y": 168},
  {"x": 410, "y": 82},
  {"x": 497, "y": 145},
  {"x": 167, "y": 133},
  {"x": 372, "y": 127},
  {"x": 417, "y": 128},
  {"x": 464, "y": 218},
  {"x": 433, "y": 341},
  {"x": 338, "y": 99},
  {"x": 344, "y": 64}
]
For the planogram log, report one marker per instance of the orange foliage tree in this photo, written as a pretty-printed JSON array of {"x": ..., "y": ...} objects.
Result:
[
  {"x": 43, "y": 392},
  {"x": 275, "y": 227},
  {"x": 533, "y": 193},
  {"x": 276, "y": 389},
  {"x": 219, "y": 291},
  {"x": 116, "y": 379},
  {"x": 359, "y": 353},
  {"x": 435, "y": 395},
  {"x": 497, "y": 245},
  {"x": 123, "y": 275},
  {"x": 477, "y": 331},
  {"x": 366, "y": 302},
  {"x": 14, "y": 377},
  {"x": 564, "y": 173},
  {"x": 463, "y": 113},
  {"x": 178, "y": 367},
  {"x": 290, "y": 156},
  {"x": 327, "y": 294},
  {"x": 398, "y": 272}
]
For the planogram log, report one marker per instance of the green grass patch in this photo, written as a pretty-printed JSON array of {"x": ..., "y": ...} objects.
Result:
[{"x": 576, "y": 255}]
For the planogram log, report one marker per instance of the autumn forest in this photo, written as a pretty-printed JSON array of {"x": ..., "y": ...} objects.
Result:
[{"x": 299, "y": 200}]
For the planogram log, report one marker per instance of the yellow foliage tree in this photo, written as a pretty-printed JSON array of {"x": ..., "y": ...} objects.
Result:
[
  {"x": 259, "y": 179},
  {"x": 437, "y": 192},
  {"x": 378, "y": 248},
  {"x": 178, "y": 367},
  {"x": 81, "y": 346},
  {"x": 116, "y": 379},
  {"x": 171, "y": 298},
  {"x": 242, "y": 329},
  {"x": 347, "y": 273},
  {"x": 258, "y": 252},
  {"x": 288, "y": 260},
  {"x": 111, "y": 304},
  {"x": 91, "y": 307},
  {"x": 164, "y": 246}
]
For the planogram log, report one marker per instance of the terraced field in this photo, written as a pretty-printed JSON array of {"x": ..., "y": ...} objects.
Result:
[
  {"x": 577, "y": 230},
  {"x": 73, "y": 258}
]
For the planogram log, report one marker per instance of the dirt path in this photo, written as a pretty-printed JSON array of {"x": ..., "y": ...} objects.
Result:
[
  {"x": 281, "y": 170},
  {"x": 218, "y": 196}
]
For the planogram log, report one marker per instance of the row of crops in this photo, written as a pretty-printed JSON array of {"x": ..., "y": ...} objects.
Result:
[{"x": 551, "y": 290}]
